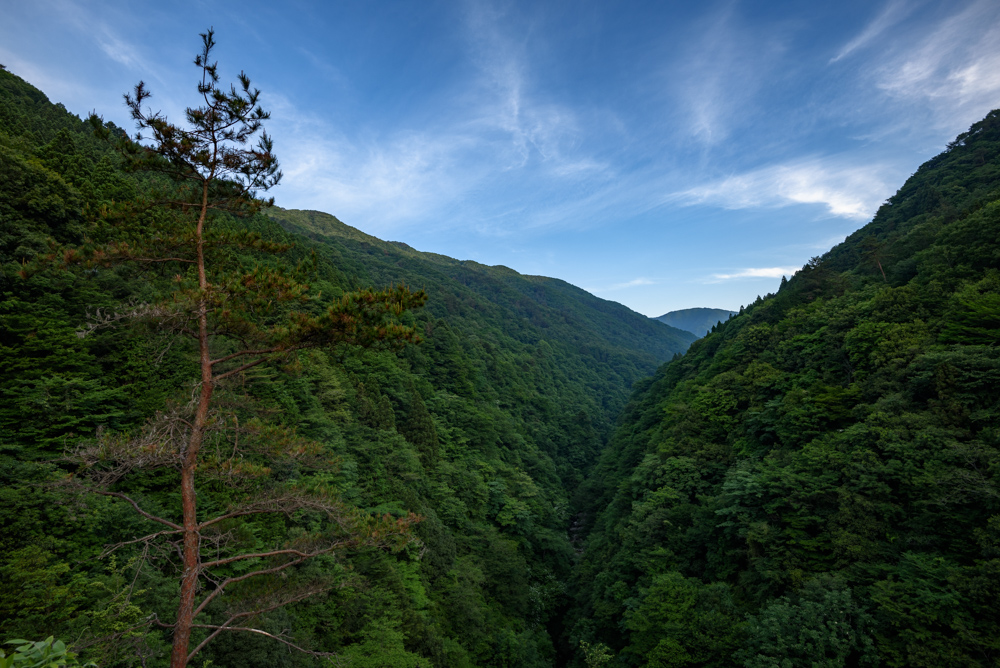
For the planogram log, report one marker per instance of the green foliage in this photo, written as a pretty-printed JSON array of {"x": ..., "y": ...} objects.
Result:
[
  {"x": 826, "y": 461},
  {"x": 815, "y": 482},
  {"x": 38, "y": 591},
  {"x": 48, "y": 653},
  {"x": 487, "y": 429},
  {"x": 822, "y": 627},
  {"x": 595, "y": 656},
  {"x": 382, "y": 645},
  {"x": 681, "y": 622},
  {"x": 975, "y": 313},
  {"x": 54, "y": 389}
]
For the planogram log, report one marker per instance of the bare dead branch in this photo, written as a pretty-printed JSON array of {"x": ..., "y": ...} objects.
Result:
[
  {"x": 285, "y": 504},
  {"x": 263, "y": 633},
  {"x": 152, "y": 260},
  {"x": 275, "y": 553},
  {"x": 248, "y": 366},
  {"x": 111, "y": 457},
  {"x": 138, "y": 642},
  {"x": 109, "y": 549},
  {"x": 165, "y": 350},
  {"x": 156, "y": 620},
  {"x": 136, "y": 507},
  {"x": 254, "y": 613},
  {"x": 245, "y": 352},
  {"x": 246, "y": 576},
  {"x": 166, "y": 316}
]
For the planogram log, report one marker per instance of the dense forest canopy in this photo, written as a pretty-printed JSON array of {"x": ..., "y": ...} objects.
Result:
[
  {"x": 813, "y": 483},
  {"x": 485, "y": 430},
  {"x": 816, "y": 482}
]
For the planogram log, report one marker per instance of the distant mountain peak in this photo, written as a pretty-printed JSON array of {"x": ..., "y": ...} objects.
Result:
[{"x": 698, "y": 321}]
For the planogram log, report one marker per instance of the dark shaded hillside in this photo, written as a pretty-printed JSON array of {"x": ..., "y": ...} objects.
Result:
[
  {"x": 485, "y": 429},
  {"x": 818, "y": 481},
  {"x": 698, "y": 321}
]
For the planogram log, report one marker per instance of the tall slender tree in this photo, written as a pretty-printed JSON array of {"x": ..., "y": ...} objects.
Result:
[{"x": 207, "y": 174}]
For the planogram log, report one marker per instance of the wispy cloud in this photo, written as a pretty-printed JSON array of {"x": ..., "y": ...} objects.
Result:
[
  {"x": 616, "y": 287},
  {"x": 954, "y": 68},
  {"x": 634, "y": 283},
  {"x": 55, "y": 84},
  {"x": 326, "y": 69},
  {"x": 537, "y": 130},
  {"x": 90, "y": 23},
  {"x": 380, "y": 182},
  {"x": 891, "y": 14},
  {"x": 119, "y": 50},
  {"x": 493, "y": 129},
  {"x": 719, "y": 73},
  {"x": 99, "y": 46},
  {"x": 755, "y": 272},
  {"x": 847, "y": 191}
]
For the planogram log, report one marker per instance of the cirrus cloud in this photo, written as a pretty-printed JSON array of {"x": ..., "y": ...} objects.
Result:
[
  {"x": 847, "y": 191},
  {"x": 756, "y": 272}
]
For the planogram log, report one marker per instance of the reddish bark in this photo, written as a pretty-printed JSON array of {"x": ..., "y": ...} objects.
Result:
[{"x": 189, "y": 501}]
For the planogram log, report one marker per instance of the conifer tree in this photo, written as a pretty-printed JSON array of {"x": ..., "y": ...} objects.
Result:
[{"x": 208, "y": 173}]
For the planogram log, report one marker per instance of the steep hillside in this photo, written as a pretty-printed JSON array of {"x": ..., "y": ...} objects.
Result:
[
  {"x": 616, "y": 344},
  {"x": 698, "y": 321},
  {"x": 485, "y": 429},
  {"x": 818, "y": 481}
]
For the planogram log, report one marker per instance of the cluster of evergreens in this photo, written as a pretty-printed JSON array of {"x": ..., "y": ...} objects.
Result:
[
  {"x": 485, "y": 430},
  {"x": 817, "y": 482}
]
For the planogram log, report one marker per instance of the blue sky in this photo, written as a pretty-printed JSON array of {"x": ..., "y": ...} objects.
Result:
[{"x": 665, "y": 154}]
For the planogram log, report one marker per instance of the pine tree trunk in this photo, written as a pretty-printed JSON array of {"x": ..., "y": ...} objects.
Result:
[
  {"x": 192, "y": 538},
  {"x": 189, "y": 502}
]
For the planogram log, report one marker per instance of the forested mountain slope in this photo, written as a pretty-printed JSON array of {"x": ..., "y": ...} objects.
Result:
[
  {"x": 615, "y": 344},
  {"x": 485, "y": 429},
  {"x": 817, "y": 482}
]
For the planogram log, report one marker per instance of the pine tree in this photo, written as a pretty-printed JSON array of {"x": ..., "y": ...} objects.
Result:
[{"x": 208, "y": 175}]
